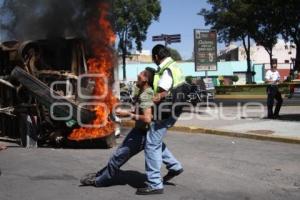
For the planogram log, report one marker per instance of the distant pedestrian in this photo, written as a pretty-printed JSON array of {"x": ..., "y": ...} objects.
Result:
[{"x": 273, "y": 79}]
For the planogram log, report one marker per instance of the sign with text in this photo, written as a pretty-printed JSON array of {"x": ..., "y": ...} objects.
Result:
[
  {"x": 205, "y": 50},
  {"x": 167, "y": 38}
]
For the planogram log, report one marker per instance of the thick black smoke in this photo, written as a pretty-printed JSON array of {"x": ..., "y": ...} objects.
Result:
[{"x": 38, "y": 19}]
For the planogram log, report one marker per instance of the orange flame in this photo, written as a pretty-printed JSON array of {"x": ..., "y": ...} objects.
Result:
[{"x": 102, "y": 39}]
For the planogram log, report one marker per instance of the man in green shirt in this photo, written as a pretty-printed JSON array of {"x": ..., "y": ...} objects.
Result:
[{"x": 135, "y": 140}]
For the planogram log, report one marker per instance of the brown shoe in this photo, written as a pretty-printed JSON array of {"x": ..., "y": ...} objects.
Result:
[{"x": 88, "y": 180}]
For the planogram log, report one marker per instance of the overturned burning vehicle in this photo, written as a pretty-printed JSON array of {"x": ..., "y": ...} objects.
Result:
[{"x": 51, "y": 95}]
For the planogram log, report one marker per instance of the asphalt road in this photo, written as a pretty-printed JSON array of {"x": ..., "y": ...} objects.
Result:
[{"x": 216, "y": 167}]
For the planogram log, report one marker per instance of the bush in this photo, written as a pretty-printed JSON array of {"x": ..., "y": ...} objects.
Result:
[
  {"x": 249, "y": 89},
  {"x": 189, "y": 79},
  {"x": 235, "y": 78},
  {"x": 288, "y": 79},
  {"x": 221, "y": 80}
]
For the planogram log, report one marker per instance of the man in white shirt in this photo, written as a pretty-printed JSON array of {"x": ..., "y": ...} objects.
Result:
[
  {"x": 166, "y": 81},
  {"x": 273, "y": 79},
  {"x": 168, "y": 76}
]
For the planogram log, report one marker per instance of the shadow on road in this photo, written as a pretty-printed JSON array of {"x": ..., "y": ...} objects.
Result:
[
  {"x": 289, "y": 117},
  {"x": 132, "y": 178}
]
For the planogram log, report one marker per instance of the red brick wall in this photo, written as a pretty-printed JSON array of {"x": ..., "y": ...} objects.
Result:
[{"x": 284, "y": 73}]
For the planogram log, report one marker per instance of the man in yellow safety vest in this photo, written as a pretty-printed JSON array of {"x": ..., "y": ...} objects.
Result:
[{"x": 167, "y": 77}]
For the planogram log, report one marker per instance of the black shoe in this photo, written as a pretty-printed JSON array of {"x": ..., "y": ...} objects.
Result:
[
  {"x": 148, "y": 190},
  {"x": 171, "y": 174},
  {"x": 88, "y": 180},
  {"x": 276, "y": 117}
]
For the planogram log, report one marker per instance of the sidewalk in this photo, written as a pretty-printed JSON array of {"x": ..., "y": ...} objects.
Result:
[{"x": 246, "y": 122}]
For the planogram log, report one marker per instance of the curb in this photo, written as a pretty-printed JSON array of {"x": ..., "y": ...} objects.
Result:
[
  {"x": 200, "y": 130},
  {"x": 7, "y": 139},
  {"x": 241, "y": 97}
]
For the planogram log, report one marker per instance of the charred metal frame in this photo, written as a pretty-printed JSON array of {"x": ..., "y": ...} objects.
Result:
[{"x": 41, "y": 62}]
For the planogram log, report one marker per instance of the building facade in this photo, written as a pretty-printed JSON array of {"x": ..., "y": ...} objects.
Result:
[
  {"x": 232, "y": 62},
  {"x": 224, "y": 69},
  {"x": 284, "y": 53}
]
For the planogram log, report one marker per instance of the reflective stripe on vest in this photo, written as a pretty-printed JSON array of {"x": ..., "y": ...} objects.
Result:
[{"x": 176, "y": 74}]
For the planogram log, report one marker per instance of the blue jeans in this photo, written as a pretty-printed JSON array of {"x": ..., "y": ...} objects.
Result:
[
  {"x": 132, "y": 145},
  {"x": 156, "y": 153}
]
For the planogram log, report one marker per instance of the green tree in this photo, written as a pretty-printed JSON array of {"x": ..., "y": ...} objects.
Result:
[
  {"x": 189, "y": 79},
  {"x": 233, "y": 21},
  {"x": 131, "y": 21},
  {"x": 268, "y": 26},
  {"x": 267, "y": 38},
  {"x": 235, "y": 78},
  {"x": 175, "y": 54},
  {"x": 289, "y": 16}
]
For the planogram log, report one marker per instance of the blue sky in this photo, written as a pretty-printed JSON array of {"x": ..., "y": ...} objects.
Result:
[{"x": 178, "y": 17}]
